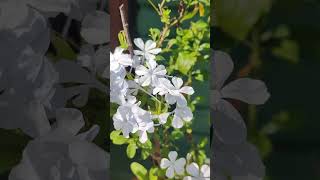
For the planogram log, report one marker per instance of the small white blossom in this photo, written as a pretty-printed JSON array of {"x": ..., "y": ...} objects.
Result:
[
  {"x": 148, "y": 50},
  {"x": 197, "y": 173},
  {"x": 118, "y": 60},
  {"x": 173, "y": 93},
  {"x": 149, "y": 75},
  {"x": 173, "y": 165},
  {"x": 181, "y": 114}
]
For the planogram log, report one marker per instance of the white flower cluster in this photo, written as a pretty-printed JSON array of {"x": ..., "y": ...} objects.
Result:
[
  {"x": 129, "y": 75},
  {"x": 177, "y": 166}
]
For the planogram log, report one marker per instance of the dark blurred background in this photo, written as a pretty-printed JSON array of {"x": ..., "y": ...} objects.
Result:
[{"x": 286, "y": 129}]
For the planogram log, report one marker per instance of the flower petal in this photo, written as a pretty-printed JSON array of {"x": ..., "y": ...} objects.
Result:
[
  {"x": 165, "y": 163},
  {"x": 150, "y": 45},
  {"x": 205, "y": 171},
  {"x": 173, "y": 156},
  {"x": 247, "y": 90},
  {"x": 141, "y": 70},
  {"x": 179, "y": 166},
  {"x": 222, "y": 67},
  {"x": 139, "y": 43},
  {"x": 177, "y": 122},
  {"x": 170, "y": 172},
  {"x": 193, "y": 169},
  {"x": 177, "y": 82},
  {"x": 225, "y": 116},
  {"x": 187, "y": 90},
  {"x": 155, "y": 51},
  {"x": 69, "y": 119},
  {"x": 160, "y": 71}
]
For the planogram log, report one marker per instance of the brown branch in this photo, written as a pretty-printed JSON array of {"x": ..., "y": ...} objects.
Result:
[{"x": 125, "y": 25}]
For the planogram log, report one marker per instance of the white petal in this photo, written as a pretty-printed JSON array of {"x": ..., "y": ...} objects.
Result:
[
  {"x": 170, "y": 99},
  {"x": 173, "y": 155},
  {"x": 69, "y": 119},
  {"x": 143, "y": 136},
  {"x": 170, "y": 172},
  {"x": 187, "y": 90},
  {"x": 155, "y": 51},
  {"x": 145, "y": 80},
  {"x": 179, "y": 166},
  {"x": 125, "y": 60},
  {"x": 165, "y": 163},
  {"x": 141, "y": 70},
  {"x": 163, "y": 117},
  {"x": 150, "y": 45},
  {"x": 205, "y": 170},
  {"x": 95, "y": 27},
  {"x": 193, "y": 169},
  {"x": 247, "y": 90},
  {"x": 139, "y": 43},
  {"x": 187, "y": 178},
  {"x": 177, "y": 82},
  {"x": 222, "y": 67},
  {"x": 177, "y": 122},
  {"x": 149, "y": 56},
  {"x": 181, "y": 100},
  {"x": 152, "y": 64},
  {"x": 160, "y": 71},
  {"x": 138, "y": 52}
]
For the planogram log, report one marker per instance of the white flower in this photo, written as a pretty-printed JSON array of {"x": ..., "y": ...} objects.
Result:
[
  {"x": 148, "y": 50},
  {"x": 163, "y": 117},
  {"x": 196, "y": 173},
  {"x": 151, "y": 74},
  {"x": 247, "y": 90},
  {"x": 124, "y": 120},
  {"x": 118, "y": 60},
  {"x": 181, "y": 114},
  {"x": 130, "y": 118},
  {"x": 173, "y": 165},
  {"x": 173, "y": 93},
  {"x": 118, "y": 86}
]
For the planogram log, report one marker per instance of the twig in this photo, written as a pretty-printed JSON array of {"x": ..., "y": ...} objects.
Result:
[
  {"x": 66, "y": 27},
  {"x": 125, "y": 25}
]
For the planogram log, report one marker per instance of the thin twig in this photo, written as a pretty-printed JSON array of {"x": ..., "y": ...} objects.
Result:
[
  {"x": 125, "y": 25},
  {"x": 66, "y": 27}
]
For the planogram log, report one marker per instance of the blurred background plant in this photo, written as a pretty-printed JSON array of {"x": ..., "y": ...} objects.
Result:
[{"x": 276, "y": 41}]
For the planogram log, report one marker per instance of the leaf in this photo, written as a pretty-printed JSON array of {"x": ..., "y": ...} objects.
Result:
[
  {"x": 63, "y": 49},
  {"x": 131, "y": 150},
  {"x": 145, "y": 154},
  {"x": 185, "y": 62},
  {"x": 117, "y": 138},
  {"x": 237, "y": 17},
  {"x": 139, "y": 171},
  {"x": 177, "y": 134},
  {"x": 153, "y": 174},
  {"x": 288, "y": 50},
  {"x": 122, "y": 40},
  {"x": 201, "y": 9}
]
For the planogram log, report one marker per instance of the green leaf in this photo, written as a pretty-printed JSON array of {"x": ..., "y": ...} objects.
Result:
[
  {"x": 131, "y": 150},
  {"x": 63, "y": 49},
  {"x": 153, "y": 174},
  {"x": 237, "y": 17},
  {"x": 122, "y": 40},
  {"x": 145, "y": 154},
  {"x": 139, "y": 171},
  {"x": 155, "y": 33},
  {"x": 288, "y": 50},
  {"x": 185, "y": 62},
  {"x": 203, "y": 143},
  {"x": 177, "y": 134},
  {"x": 117, "y": 138}
]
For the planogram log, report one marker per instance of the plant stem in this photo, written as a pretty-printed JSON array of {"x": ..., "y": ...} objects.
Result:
[
  {"x": 154, "y": 6},
  {"x": 125, "y": 25},
  {"x": 66, "y": 27}
]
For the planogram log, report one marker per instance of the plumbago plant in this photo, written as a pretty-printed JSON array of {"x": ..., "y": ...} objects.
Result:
[
  {"x": 46, "y": 83},
  {"x": 151, "y": 92}
]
